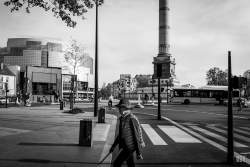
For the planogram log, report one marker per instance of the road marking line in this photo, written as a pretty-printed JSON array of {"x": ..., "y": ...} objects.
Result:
[
  {"x": 245, "y": 153},
  {"x": 246, "y": 128},
  {"x": 246, "y": 139},
  {"x": 11, "y": 131},
  {"x": 241, "y": 131},
  {"x": 178, "y": 135},
  {"x": 153, "y": 136},
  {"x": 219, "y": 137},
  {"x": 100, "y": 132}
]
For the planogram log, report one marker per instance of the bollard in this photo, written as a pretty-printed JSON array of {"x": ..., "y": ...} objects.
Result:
[
  {"x": 101, "y": 115},
  {"x": 61, "y": 105},
  {"x": 85, "y": 134}
]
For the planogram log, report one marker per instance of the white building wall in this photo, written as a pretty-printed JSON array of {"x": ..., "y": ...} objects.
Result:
[{"x": 11, "y": 85}]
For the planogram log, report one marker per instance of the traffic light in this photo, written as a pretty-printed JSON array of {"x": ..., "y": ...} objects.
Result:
[{"x": 6, "y": 87}]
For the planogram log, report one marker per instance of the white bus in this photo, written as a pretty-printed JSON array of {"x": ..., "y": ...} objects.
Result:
[{"x": 206, "y": 94}]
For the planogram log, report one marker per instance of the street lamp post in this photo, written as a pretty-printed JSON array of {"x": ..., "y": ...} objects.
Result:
[{"x": 96, "y": 62}]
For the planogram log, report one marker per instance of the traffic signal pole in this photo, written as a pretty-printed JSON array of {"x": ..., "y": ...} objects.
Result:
[
  {"x": 159, "y": 98},
  {"x": 230, "y": 147},
  {"x": 96, "y": 62}
]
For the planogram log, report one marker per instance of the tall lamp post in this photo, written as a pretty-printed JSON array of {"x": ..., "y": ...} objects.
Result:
[{"x": 96, "y": 61}]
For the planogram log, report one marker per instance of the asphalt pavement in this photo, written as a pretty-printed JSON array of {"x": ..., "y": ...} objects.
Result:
[{"x": 186, "y": 136}]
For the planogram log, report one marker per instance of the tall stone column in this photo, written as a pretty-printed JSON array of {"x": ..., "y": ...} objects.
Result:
[
  {"x": 163, "y": 28},
  {"x": 164, "y": 58}
]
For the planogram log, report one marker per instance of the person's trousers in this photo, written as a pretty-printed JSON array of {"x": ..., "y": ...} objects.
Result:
[{"x": 124, "y": 156}]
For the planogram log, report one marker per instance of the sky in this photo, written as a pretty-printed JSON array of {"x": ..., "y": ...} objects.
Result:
[{"x": 200, "y": 35}]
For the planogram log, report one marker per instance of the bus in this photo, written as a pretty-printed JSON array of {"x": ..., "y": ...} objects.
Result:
[{"x": 206, "y": 94}]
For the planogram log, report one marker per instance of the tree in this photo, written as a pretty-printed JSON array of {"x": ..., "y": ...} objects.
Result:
[
  {"x": 64, "y": 9},
  {"x": 216, "y": 76},
  {"x": 74, "y": 55},
  {"x": 105, "y": 92}
]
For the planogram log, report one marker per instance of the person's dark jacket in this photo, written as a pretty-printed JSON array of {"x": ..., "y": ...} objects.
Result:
[{"x": 130, "y": 134}]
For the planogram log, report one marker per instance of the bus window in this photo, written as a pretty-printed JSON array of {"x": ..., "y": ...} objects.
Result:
[
  {"x": 195, "y": 93},
  {"x": 178, "y": 93},
  {"x": 204, "y": 94},
  {"x": 187, "y": 93}
]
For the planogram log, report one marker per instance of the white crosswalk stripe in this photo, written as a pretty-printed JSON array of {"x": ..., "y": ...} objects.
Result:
[
  {"x": 178, "y": 135},
  {"x": 241, "y": 131},
  {"x": 246, "y": 128},
  {"x": 153, "y": 136},
  {"x": 243, "y": 138},
  {"x": 218, "y": 137}
]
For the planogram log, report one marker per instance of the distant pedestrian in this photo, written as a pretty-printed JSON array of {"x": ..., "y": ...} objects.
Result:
[
  {"x": 240, "y": 104},
  {"x": 110, "y": 102},
  {"x": 129, "y": 138},
  {"x": 146, "y": 98}
]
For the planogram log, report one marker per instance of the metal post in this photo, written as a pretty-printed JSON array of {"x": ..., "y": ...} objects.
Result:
[
  {"x": 230, "y": 147},
  {"x": 6, "y": 94},
  {"x": 167, "y": 93},
  {"x": 96, "y": 62},
  {"x": 87, "y": 86},
  {"x": 159, "y": 98}
]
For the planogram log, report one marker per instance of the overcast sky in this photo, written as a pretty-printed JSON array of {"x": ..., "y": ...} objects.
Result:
[{"x": 201, "y": 33}]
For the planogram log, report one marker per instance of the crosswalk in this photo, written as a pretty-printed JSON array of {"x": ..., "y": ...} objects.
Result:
[
  {"x": 153, "y": 136},
  {"x": 177, "y": 135},
  {"x": 214, "y": 135}
]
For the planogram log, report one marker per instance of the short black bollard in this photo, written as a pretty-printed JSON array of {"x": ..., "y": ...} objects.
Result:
[
  {"x": 61, "y": 105},
  {"x": 101, "y": 115},
  {"x": 85, "y": 134}
]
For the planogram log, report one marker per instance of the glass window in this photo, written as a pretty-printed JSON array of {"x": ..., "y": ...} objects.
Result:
[
  {"x": 204, "y": 94},
  {"x": 195, "y": 93},
  {"x": 187, "y": 93}
]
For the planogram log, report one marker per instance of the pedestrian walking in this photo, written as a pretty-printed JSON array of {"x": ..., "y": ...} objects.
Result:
[
  {"x": 110, "y": 102},
  {"x": 129, "y": 138},
  {"x": 240, "y": 103}
]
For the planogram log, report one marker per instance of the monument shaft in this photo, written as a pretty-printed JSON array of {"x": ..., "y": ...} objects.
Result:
[{"x": 164, "y": 61}]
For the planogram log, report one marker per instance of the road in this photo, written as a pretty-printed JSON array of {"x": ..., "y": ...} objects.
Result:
[
  {"x": 187, "y": 135},
  {"x": 192, "y": 135}
]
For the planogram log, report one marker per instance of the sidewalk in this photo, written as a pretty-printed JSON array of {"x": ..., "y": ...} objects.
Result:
[{"x": 54, "y": 142}]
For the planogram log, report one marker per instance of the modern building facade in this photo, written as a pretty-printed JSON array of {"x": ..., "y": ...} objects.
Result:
[
  {"x": 33, "y": 52},
  {"x": 45, "y": 54},
  {"x": 43, "y": 84}
]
